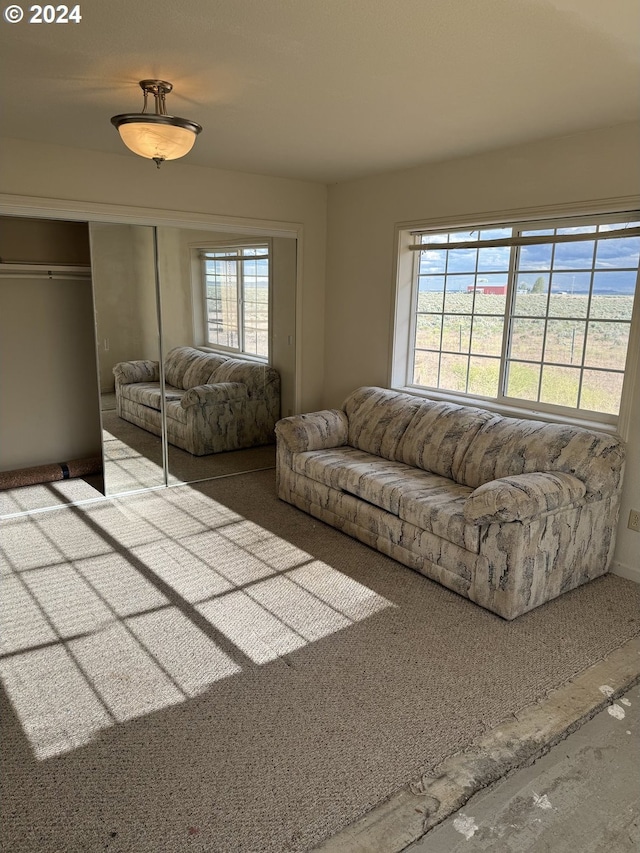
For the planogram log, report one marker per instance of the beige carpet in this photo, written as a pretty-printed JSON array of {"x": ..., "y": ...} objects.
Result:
[
  {"x": 209, "y": 669},
  {"x": 133, "y": 458}
]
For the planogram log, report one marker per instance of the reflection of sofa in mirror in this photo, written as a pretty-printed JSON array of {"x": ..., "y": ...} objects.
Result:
[{"x": 213, "y": 403}]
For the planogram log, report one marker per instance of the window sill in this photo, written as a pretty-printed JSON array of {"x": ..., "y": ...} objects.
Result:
[{"x": 234, "y": 353}]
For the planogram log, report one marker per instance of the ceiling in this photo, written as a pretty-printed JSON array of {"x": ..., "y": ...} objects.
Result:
[{"x": 327, "y": 90}]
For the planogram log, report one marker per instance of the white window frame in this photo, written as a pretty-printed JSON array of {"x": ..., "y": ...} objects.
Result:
[
  {"x": 201, "y": 323},
  {"x": 403, "y": 323}
]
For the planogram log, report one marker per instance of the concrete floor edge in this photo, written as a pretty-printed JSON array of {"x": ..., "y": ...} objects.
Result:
[{"x": 518, "y": 742}]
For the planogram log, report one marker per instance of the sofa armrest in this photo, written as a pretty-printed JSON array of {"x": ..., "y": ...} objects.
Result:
[
  {"x": 314, "y": 431},
  {"x": 522, "y": 497},
  {"x": 210, "y": 395},
  {"x": 127, "y": 372}
]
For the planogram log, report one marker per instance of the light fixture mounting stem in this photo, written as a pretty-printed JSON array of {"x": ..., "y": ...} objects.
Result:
[{"x": 157, "y": 88}]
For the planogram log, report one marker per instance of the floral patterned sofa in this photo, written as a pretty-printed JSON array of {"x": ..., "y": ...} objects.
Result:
[
  {"x": 213, "y": 403},
  {"x": 509, "y": 513}
]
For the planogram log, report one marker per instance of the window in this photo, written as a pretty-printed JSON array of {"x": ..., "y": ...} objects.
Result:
[
  {"x": 236, "y": 284},
  {"x": 535, "y": 314}
]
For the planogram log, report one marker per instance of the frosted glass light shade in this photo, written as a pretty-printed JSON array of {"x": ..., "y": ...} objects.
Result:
[{"x": 157, "y": 139}]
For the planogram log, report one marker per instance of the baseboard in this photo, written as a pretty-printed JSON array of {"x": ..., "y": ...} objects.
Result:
[{"x": 629, "y": 572}]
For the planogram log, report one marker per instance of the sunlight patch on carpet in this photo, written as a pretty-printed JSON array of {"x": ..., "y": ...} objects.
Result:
[{"x": 122, "y": 609}]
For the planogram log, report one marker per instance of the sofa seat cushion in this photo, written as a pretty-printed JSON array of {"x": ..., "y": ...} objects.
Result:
[
  {"x": 428, "y": 501},
  {"x": 437, "y": 507},
  {"x": 176, "y": 411},
  {"x": 148, "y": 394}
]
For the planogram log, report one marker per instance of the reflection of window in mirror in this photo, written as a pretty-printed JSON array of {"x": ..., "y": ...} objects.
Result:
[{"x": 232, "y": 294}]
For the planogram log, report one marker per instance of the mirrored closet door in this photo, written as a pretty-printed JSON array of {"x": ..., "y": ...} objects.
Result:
[
  {"x": 125, "y": 292},
  {"x": 152, "y": 292}
]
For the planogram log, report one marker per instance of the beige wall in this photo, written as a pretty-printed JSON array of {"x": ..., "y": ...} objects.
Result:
[
  {"x": 40, "y": 241},
  {"x": 576, "y": 170},
  {"x": 82, "y": 178}
]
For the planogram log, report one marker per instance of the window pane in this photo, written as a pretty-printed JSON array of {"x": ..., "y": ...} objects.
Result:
[
  {"x": 601, "y": 391},
  {"x": 618, "y": 252},
  {"x": 535, "y": 258},
  {"x": 435, "y": 238},
  {"x": 433, "y": 261},
  {"x": 430, "y": 302},
  {"x": 570, "y": 283},
  {"x": 487, "y": 335},
  {"x": 569, "y": 294},
  {"x": 614, "y": 283},
  {"x": 425, "y": 369},
  {"x": 262, "y": 292},
  {"x": 527, "y": 337},
  {"x": 560, "y": 386},
  {"x": 462, "y": 260},
  {"x": 612, "y": 307},
  {"x": 428, "y": 328},
  {"x": 494, "y": 259},
  {"x": 432, "y": 284},
  {"x": 456, "y": 333},
  {"x": 531, "y": 295},
  {"x": 607, "y": 345},
  {"x": 537, "y": 232},
  {"x": 491, "y": 294},
  {"x": 577, "y": 229},
  {"x": 523, "y": 381},
  {"x": 565, "y": 342},
  {"x": 573, "y": 256},
  {"x": 500, "y": 233},
  {"x": 453, "y": 372},
  {"x": 484, "y": 374},
  {"x": 463, "y": 236},
  {"x": 459, "y": 298}
]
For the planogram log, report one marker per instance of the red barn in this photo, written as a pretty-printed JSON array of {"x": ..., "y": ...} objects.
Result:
[{"x": 489, "y": 289}]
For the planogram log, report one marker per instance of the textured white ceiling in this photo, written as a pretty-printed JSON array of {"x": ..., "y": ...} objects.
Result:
[{"x": 328, "y": 89}]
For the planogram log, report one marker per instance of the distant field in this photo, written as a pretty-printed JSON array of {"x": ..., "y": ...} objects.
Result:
[{"x": 574, "y": 326}]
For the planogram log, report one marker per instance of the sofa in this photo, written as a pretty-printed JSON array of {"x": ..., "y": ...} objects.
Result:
[
  {"x": 507, "y": 512},
  {"x": 213, "y": 403}
]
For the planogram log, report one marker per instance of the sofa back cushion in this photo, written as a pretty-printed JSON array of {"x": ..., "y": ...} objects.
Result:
[
  {"x": 262, "y": 381},
  {"x": 201, "y": 369},
  {"x": 504, "y": 447},
  {"x": 438, "y": 436},
  {"x": 378, "y": 419},
  {"x": 186, "y": 367}
]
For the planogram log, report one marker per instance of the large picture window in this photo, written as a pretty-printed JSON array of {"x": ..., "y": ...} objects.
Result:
[
  {"x": 236, "y": 283},
  {"x": 536, "y": 314}
]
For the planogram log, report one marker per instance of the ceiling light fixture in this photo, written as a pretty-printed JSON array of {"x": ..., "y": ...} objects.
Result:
[{"x": 156, "y": 136}]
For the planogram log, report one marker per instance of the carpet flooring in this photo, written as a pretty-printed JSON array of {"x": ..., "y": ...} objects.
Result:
[
  {"x": 133, "y": 459},
  {"x": 205, "y": 668}
]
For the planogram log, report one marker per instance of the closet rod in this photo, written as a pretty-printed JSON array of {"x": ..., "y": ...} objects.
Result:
[{"x": 50, "y": 271}]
